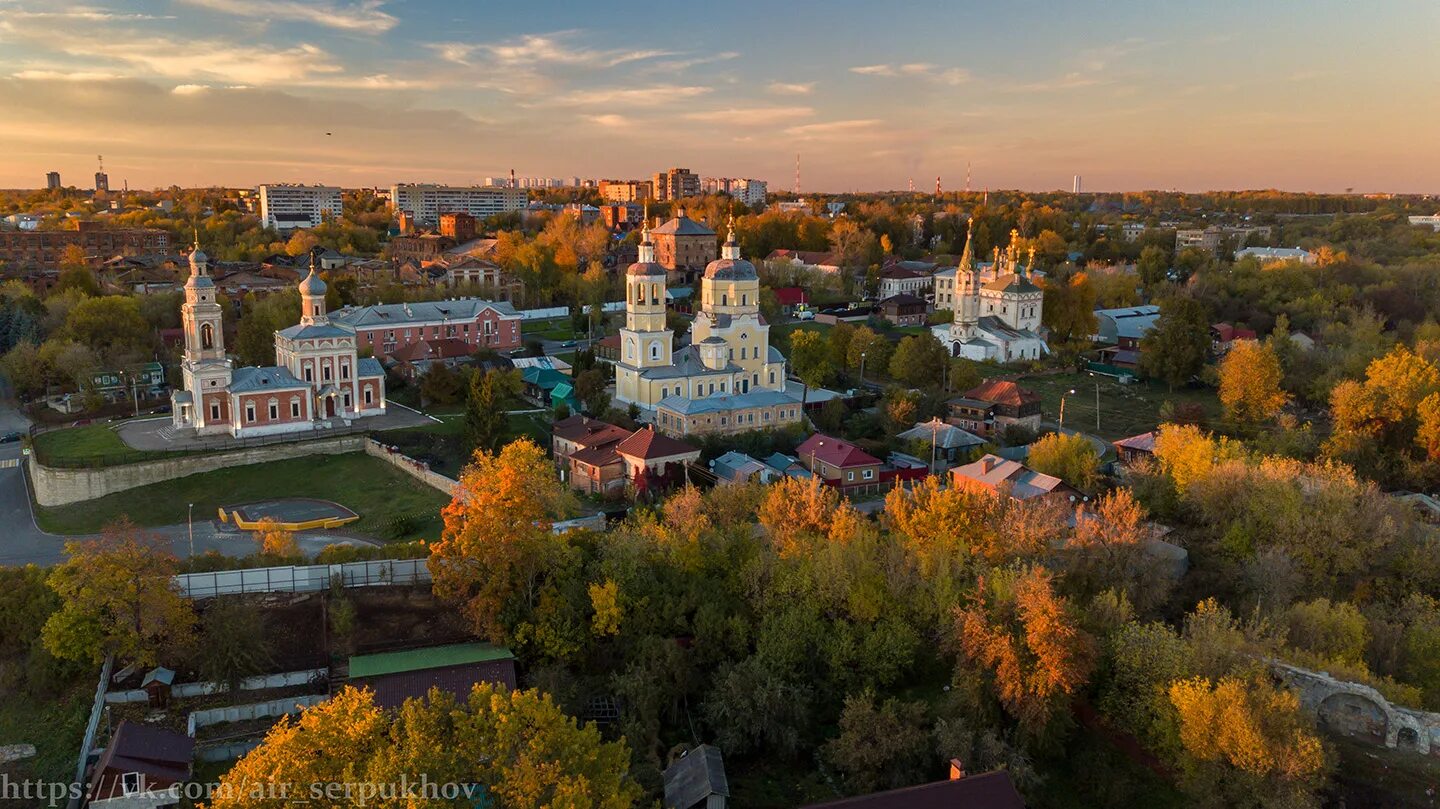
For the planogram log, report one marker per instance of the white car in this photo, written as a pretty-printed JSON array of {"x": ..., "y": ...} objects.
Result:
[{"x": 804, "y": 314}]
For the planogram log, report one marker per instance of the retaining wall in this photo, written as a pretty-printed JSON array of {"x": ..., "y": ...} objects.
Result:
[
  {"x": 255, "y": 710},
  {"x": 58, "y": 487},
  {"x": 415, "y": 469}
]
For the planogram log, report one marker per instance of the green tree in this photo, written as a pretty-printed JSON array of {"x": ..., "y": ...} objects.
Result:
[
  {"x": 440, "y": 385},
  {"x": 108, "y": 325},
  {"x": 811, "y": 361},
  {"x": 1153, "y": 266},
  {"x": 231, "y": 644},
  {"x": 880, "y": 746},
  {"x": 869, "y": 352},
  {"x": 1068, "y": 456},
  {"x": 490, "y": 394},
  {"x": 920, "y": 361},
  {"x": 1176, "y": 347}
]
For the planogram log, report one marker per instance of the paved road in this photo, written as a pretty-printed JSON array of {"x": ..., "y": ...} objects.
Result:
[{"x": 22, "y": 542}]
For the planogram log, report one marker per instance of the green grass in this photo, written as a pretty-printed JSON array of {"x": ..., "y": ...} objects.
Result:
[
  {"x": 92, "y": 442},
  {"x": 376, "y": 491},
  {"x": 1125, "y": 410},
  {"x": 55, "y": 726},
  {"x": 562, "y": 329}
]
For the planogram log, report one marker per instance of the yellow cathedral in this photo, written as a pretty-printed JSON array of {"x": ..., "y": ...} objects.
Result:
[{"x": 729, "y": 379}]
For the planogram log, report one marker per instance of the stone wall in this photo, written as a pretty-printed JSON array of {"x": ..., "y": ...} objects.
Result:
[
  {"x": 58, "y": 487},
  {"x": 415, "y": 469},
  {"x": 1360, "y": 712}
]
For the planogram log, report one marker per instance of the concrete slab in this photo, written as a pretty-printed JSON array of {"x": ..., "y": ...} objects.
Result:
[{"x": 159, "y": 435}]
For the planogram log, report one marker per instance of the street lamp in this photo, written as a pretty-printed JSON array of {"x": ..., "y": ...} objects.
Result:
[
  {"x": 1070, "y": 392},
  {"x": 862, "y": 369},
  {"x": 190, "y": 521}
]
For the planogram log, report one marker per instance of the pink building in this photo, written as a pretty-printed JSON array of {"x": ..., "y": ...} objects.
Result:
[{"x": 387, "y": 327}]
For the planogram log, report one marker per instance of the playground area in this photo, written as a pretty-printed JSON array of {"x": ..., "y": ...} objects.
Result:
[{"x": 291, "y": 514}]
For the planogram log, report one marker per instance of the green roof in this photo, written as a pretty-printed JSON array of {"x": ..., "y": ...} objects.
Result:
[{"x": 435, "y": 657}]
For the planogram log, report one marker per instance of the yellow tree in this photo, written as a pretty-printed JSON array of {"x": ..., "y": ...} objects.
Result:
[
  {"x": 515, "y": 748},
  {"x": 276, "y": 541},
  {"x": 1250, "y": 377},
  {"x": 1068, "y": 456},
  {"x": 1187, "y": 454},
  {"x": 1428, "y": 433},
  {"x": 497, "y": 546},
  {"x": 117, "y": 597},
  {"x": 797, "y": 512}
]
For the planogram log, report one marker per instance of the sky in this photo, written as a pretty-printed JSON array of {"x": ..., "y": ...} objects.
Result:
[{"x": 1319, "y": 95}]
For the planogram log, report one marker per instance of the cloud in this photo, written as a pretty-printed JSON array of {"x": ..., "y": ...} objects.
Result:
[
  {"x": 652, "y": 96},
  {"x": 363, "y": 17},
  {"x": 781, "y": 88},
  {"x": 676, "y": 65},
  {"x": 80, "y": 13},
  {"x": 66, "y": 75},
  {"x": 853, "y": 129},
  {"x": 190, "y": 89},
  {"x": 207, "y": 60},
  {"x": 534, "y": 51},
  {"x": 751, "y": 116},
  {"x": 1069, "y": 81},
  {"x": 609, "y": 120},
  {"x": 918, "y": 70}
]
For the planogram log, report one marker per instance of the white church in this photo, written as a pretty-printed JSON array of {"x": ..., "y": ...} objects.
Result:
[{"x": 997, "y": 307}]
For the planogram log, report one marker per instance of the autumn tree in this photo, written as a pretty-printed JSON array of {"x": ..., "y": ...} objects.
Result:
[
  {"x": 275, "y": 541},
  {"x": 117, "y": 597},
  {"x": 1176, "y": 346},
  {"x": 1025, "y": 638},
  {"x": 1069, "y": 308},
  {"x": 797, "y": 511},
  {"x": 496, "y": 548},
  {"x": 810, "y": 360},
  {"x": 1250, "y": 378},
  {"x": 1153, "y": 265},
  {"x": 109, "y": 325},
  {"x": 517, "y": 745},
  {"x": 1068, "y": 456}
]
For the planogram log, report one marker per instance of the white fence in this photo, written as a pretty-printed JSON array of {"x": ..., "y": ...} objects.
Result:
[
  {"x": 545, "y": 314},
  {"x": 284, "y": 679},
  {"x": 303, "y": 578},
  {"x": 225, "y": 751},
  {"x": 612, "y": 306},
  {"x": 255, "y": 710}
]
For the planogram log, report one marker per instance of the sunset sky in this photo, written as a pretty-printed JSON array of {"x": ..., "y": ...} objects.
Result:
[{"x": 1319, "y": 95}]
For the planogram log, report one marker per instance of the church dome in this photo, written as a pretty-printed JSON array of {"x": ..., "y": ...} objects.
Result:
[
  {"x": 731, "y": 269},
  {"x": 312, "y": 286},
  {"x": 646, "y": 268}
]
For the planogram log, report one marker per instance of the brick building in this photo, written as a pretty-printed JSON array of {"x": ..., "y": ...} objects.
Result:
[
  {"x": 387, "y": 327},
  {"x": 44, "y": 249},
  {"x": 458, "y": 225},
  {"x": 421, "y": 248},
  {"x": 683, "y": 245}
]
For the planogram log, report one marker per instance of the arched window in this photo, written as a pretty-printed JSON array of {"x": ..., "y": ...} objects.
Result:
[
  {"x": 723, "y": 299},
  {"x": 744, "y": 300},
  {"x": 654, "y": 351},
  {"x": 207, "y": 336}
]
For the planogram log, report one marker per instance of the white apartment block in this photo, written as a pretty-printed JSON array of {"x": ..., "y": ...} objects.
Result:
[
  {"x": 287, "y": 207},
  {"x": 1432, "y": 222},
  {"x": 427, "y": 202}
]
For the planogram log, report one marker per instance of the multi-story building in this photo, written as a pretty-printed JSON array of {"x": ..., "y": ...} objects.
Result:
[
  {"x": 102, "y": 182},
  {"x": 428, "y": 202},
  {"x": 626, "y": 190},
  {"x": 420, "y": 249},
  {"x": 284, "y": 206},
  {"x": 622, "y": 215},
  {"x": 750, "y": 192},
  {"x": 388, "y": 327},
  {"x": 676, "y": 183},
  {"x": 1210, "y": 238},
  {"x": 52, "y": 180},
  {"x": 458, "y": 225},
  {"x": 44, "y": 249},
  {"x": 683, "y": 245}
]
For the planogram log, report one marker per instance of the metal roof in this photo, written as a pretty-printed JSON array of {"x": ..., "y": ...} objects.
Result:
[{"x": 434, "y": 657}]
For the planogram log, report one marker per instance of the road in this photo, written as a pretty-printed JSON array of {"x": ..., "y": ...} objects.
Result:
[{"x": 22, "y": 542}]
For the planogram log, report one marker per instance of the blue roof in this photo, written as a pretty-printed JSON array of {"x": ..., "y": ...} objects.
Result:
[
  {"x": 715, "y": 404},
  {"x": 301, "y": 330},
  {"x": 269, "y": 377},
  {"x": 369, "y": 366}
]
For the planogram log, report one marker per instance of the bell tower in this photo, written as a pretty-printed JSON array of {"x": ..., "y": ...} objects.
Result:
[{"x": 201, "y": 314}]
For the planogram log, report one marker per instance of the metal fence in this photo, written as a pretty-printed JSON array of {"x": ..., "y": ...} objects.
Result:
[
  {"x": 200, "y": 445},
  {"x": 303, "y": 578}
]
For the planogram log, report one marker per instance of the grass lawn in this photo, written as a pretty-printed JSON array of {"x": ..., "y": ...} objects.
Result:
[
  {"x": 560, "y": 329},
  {"x": 376, "y": 491},
  {"x": 1125, "y": 410},
  {"x": 781, "y": 333},
  {"x": 55, "y": 726},
  {"x": 90, "y": 442}
]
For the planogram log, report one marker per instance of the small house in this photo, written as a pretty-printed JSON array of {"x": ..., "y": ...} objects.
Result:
[
  {"x": 697, "y": 780},
  {"x": 142, "y": 767}
]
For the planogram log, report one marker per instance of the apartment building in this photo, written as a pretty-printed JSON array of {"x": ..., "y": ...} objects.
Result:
[
  {"x": 676, "y": 183},
  {"x": 284, "y": 206},
  {"x": 626, "y": 190},
  {"x": 427, "y": 202}
]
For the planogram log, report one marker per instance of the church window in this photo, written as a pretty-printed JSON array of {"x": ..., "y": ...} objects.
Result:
[
  {"x": 712, "y": 388},
  {"x": 207, "y": 336},
  {"x": 654, "y": 351},
  {"x": 214, "y": 411},
  {"x": 772, "y": 378},
  {"x": 742, "y": 352},
  {"x": 274, "y": 410},
  {"x": 249, "y": 412},
  {"x": 325, "y": 371},
  {"x": 369, "y": 395},
  {"x": 294, "y": 408},
  {"x": 744, "y": 300},
  {"x": 765, "y": 416},
  {"x": 722, "y": 387},
  {"x": 309, "y": 375},
  {"x": 630, "y": 349},
  {"x": 344, "y": 370},
  {"x": 723, "y": 299},
  {"x": 347, "y": 400}
]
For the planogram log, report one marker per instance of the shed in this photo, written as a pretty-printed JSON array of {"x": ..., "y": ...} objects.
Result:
[
  {"x": 397, "y": 676},
  {"x": 697, "y": 779},
  {"x": 156, "y": 685}
]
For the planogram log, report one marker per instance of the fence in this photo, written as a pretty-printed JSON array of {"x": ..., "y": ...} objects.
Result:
[
  {"x": 545, "y": 314},
  {"x": 201, "y": 445},
  {"x": 255, "y": 710},
  {"x": 284, "y": 679},
  {"x": 91, "y": 727},
  {"x": 303, "y": 578}
]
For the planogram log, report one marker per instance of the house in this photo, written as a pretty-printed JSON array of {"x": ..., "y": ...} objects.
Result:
[
  {"x": 1121, "y": 330},
  {"x": 1224, "y": 335},
  {"x": 903, "y": 309},
  {"x": 819, "y": 260},
  {"x": 737, "y": 467},
  {"x": 608, "y": 349},
  {"x": 581, "y": 432},
  {"x": 539, "y": 382},
  {"x": 840, "y": 464},
  {"x": 950, "y": 443},
  {"x": 991, "y": 790},
  {"x": 413, "y": 360},
  {"x": 790, "y": 298},
  {"x": 990, "y": 408},
  {"x": 653, "y": 460},
  {"x": 994, "y": 475},
  {"x": 1268, "y": 255},
  {"x": 553, "y": 363},
  {"x": 385, "y": 327},
  {"x": 913, "y": 277},
  {"x": 142, "y": 767},
  {"x": 783, "y": 464},
  {"x": 457, "y": 668},
  {"x": 156, "y": 686},
  {"x": 1136, "y": 448},
  {"x": 697, "y": 780},
  {"x": 563, "y": 394}
]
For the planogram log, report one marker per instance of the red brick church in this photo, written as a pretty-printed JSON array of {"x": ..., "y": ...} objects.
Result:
[{"x": 317, "y": 379}]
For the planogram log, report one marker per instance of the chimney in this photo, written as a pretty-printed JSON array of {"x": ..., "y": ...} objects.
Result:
[
  {"x": 957, "y": 770},
  {"x": 987, "y": 463}
]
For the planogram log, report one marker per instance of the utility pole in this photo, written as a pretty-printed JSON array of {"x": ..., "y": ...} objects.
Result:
[
  {"x": 1097, "y": 407},
  {"x": 1070, "y": 392},
  {"x": 190, "y": 521}
]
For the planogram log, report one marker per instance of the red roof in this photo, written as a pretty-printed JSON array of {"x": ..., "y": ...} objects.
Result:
[
  {"x": 445, "y": 349},
  {"x": 835, "y": 452},
  {"x": 1144, "y": 442},
  {"x": 588, "y": 432},
  {"x": 814, "y": 258},
  {"x": 1002, "y": 391},
  {"x": 790, "y": 296},
  {"x": 1228, "y": 333},
  {"x": 647, "y": 444}
]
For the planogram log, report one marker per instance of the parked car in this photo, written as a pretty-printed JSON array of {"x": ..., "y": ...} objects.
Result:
[{"x": 10, "y": 438}]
